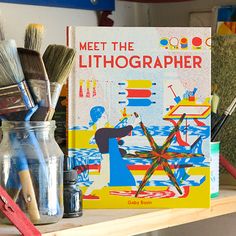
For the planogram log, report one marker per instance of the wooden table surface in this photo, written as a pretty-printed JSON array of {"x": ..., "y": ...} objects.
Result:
[{"x": 132, "y": 221}]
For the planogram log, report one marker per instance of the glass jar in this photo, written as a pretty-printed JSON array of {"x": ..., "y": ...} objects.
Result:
[{"x": 31, "y": 169}]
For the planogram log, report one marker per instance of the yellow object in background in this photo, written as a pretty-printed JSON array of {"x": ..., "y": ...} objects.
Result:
[{"x": 226, "y": 28}]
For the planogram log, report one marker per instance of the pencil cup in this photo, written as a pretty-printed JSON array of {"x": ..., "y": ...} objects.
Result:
[
  {"x": 31, "y": 167},
  {"x": 214, "y": 167}
]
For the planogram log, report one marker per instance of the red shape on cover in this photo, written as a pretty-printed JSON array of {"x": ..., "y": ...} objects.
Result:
[
  {"x": 184, "y": 40},
  {"x": 196, "y": 41},
  {"x": 138, "y": 93},
  {"x": 91, "y": 197},
  {"x": 191, "y": 98},
  {"x": 179, "y": 139},
  {"x": 11, "y": 210},
  {"x": 94, "y": 92},
  {"x": 198, "y": 122},
  {"x": 81, "y": 94}
]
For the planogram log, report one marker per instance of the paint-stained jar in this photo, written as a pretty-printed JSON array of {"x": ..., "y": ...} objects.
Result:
[{"x": 31, "y": 169}]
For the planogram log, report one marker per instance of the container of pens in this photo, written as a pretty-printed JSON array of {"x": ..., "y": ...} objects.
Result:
[{"x": 31, "y": 167}]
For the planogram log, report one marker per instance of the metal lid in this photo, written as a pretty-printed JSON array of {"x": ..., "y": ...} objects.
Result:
[{"x": 70, "y": 176}]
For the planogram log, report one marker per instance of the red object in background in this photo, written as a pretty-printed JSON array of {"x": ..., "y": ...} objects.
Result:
[
  {"x": 105, "y": 20},
  {"x": 228, "y": 166},
  {"x": 9, "y": 208}
]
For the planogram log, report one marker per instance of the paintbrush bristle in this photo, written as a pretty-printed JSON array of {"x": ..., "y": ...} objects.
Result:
[
  {"x": 32, "y": 64},
  {"x": 37, "y": 79},
  {"x": 59, "y": 61},
  {"x": 34, "y": 36},
  {"x": 10, "y": 66},
  {"x": 2, "y": 33}
]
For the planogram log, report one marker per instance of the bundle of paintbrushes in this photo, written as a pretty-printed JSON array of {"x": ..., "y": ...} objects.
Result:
[
  {"x": 217, "y": 124},
  {"x": 25, "y": 94},
  {"x": 222, "y": 119},
  {"x": 29, "y": 79},
  {"x": 15, "y": 97}
]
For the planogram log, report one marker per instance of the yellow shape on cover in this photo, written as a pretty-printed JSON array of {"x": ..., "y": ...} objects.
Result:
[
  {"x": 190, "y": 108},
  {"x": 80, "y": 139},
  {"x": 139, "y": 84}
]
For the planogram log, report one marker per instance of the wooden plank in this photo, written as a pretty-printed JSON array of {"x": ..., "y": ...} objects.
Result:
[
  {"x": 132, "y": 221},
  {"x": 227, "y": 179}
]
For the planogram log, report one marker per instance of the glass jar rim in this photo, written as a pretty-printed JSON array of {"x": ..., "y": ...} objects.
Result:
[{"x": 17, "y": 125}]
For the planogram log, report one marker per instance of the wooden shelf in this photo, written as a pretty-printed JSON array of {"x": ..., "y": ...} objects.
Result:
[{"x": 133, "y": 221}]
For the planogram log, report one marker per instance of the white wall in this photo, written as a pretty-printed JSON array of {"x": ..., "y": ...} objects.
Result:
[
  {"x": 219, "y": 226},
  {"x": 16, "y": 17}
]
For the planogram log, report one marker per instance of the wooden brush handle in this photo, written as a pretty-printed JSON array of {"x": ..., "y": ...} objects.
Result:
[
  {"x": 55, "y": 94},
  {"x": 29, "y": 195},
  {"x": 50, "y": 114}
]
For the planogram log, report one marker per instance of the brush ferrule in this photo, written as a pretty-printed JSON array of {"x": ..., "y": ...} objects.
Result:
[
  {"x": 40, "y": 90},
  {"x": 231, "y": 107},
  {"x": 55, "y": 93},
  {"x": 14, "y": 98}
]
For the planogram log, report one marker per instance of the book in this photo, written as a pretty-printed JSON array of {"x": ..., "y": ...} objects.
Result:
[
  {"x": 225, "y": 19},
  {"x": 139, "y": 116}
]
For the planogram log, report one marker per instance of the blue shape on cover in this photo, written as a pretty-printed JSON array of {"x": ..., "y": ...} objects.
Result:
[
  {"x": 119, "y": 173},
  {"x": 96, "y": 113},
  {"x": 139, "y": 102},
  {"x": 164, "y": 42}
]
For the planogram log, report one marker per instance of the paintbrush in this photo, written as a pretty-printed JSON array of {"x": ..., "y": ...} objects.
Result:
[
  {"x": 11, "y": 75},
  {"x": 37, "y": 80},
  {"x": 33, "y": 36},
  {"x": 36, "y": 77},
  {"x": 14, "y": 95},
  {"x": 14, "y": 92},
  {"x": 2, "y": 37},
  {"x": 223, "y": 118},
  {"x": 214, "y": 99},
  {"x": 34, "y": 70},
  {"x": 2, "y": 34},
  {"x": 59, "y": 61}
]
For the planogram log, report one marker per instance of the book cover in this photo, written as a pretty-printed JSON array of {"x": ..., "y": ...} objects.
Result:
[
  {"x": 225, "y": 19},
  {"x": 139, "y": 116}
]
